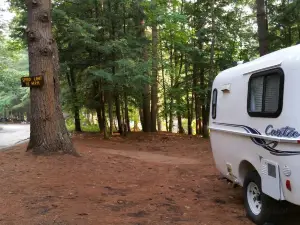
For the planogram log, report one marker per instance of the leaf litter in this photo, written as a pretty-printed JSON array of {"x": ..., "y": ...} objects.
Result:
[{"x": 140, "y": 179}]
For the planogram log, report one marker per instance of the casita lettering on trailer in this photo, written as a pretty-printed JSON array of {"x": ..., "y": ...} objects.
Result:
[{"x": 287, "y": 131}]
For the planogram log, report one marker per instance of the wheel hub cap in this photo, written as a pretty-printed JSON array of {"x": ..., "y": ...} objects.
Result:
[{"x": 254, "y": 198}]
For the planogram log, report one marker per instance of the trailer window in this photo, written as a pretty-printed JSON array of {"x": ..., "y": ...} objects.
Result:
[
  {"x": 265, "y": 94},
  {"x": 214, "y": 104}
]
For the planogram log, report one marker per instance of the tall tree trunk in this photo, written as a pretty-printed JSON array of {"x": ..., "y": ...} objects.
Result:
[
  {"x": 262, "y": 24},
  {"x": 201, "y": 106},
  {"x": 171, "y": 98},
  {"x": 171, "y": 115},
  {"x": 77, "y": 119},
  {"x": 197, "y": 97},
  {"x": 48, "y": 132},
  {"x": 126, "y": 111},
  {"x": 99, "y": 8},
  {"x": 146, "y": 104},
  {"x": 178, "y": 96},
  {"x": 158, "y": 119},
  {"x": 73, "y": 89},
  {"x": 192, "y": 112},
  {"x": 180, "y": 128},
  {"x": 141, "y": 34},
  {"x": 127, "y": 119},
  {"x": 154, "y": 87},
  {"x": 190, "y": 131},
  {"x": 102, "y": 109},
  {"x": 100, "y": 120},
  {"x": 205, "y": 116},
  {"x": 113, "y": 68},
  {"x": 103, "y": 112},
  {"x": 141, "y": 116},
  {"x": 97, "y": 95},
  {"x": 110, "y": 114},
  {"x": 118, "y": 112},
  {"x": 206, "y": 105},
  {"x": 164, "y": 86},
  {"x": 146, "y": 100}
]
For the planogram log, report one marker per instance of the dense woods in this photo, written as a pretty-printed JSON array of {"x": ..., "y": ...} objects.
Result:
[{"x": 128, "y": 65}]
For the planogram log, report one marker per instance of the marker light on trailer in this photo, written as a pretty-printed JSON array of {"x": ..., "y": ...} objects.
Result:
[{"x": 288, "y": 185}]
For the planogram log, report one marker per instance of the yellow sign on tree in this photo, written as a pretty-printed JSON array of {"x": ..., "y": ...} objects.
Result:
[{"x": 34, "y": 81}]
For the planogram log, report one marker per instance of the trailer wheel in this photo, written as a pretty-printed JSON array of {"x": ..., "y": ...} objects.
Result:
[{"x": 259, "y": 207}]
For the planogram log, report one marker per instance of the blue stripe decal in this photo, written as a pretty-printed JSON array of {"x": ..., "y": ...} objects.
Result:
[{"x": 268, "y": 145}]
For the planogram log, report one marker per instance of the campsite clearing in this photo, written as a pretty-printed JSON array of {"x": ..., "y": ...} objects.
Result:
[{"x": 140, "y": 179}]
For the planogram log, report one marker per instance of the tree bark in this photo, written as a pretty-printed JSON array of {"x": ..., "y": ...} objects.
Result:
[
  {"x": 178, "y": 97},
  {"x": 141, "y": 34},
  {"x": 262, "y": 24},
  {"x": 73, "y": 89},
  {"x": 141, "y": 116},
  {"x": 205, "y": 115},
  {"x": 190, "y": 130},
  {"x": 77, "y": 119},
  {"x": 158, "y": 119},
  {"x": 154, "y": 87},
  {"x": 103, "y": 113},
  {"x": 48, "y": 132},
  {"x": 164, "y": 86},
  {"x": 99, "y": 117},
  {"x": 197, "y": 97},
  {"x": 206, "y": 104},
  {"x": 146, "y": 101},
  {"x": 171, "y": 97},
  {"x": 126, "y": 111},
  {"x": 118, "y": 112},
  {"x": 180, "y": 128},
  {"x": 112, "y": 35},
  {"x": 110, "y": 113},
  {"x": 97, "y": 94}
]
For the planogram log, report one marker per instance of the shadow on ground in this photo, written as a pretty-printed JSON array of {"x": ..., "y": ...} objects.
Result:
[{"x": 292, "y": 217}]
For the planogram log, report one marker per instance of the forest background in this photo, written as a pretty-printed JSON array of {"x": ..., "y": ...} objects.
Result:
[{"x": 129, "y": 65}]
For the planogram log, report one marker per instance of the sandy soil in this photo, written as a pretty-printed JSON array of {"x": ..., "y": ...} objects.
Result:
[{"x": 142, "y": 179}]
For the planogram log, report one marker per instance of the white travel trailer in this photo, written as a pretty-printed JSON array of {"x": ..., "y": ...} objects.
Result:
[{"x": 255, "y": 130}]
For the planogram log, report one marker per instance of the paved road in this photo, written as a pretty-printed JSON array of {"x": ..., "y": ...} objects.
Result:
[{"x": 11, "y": 134}]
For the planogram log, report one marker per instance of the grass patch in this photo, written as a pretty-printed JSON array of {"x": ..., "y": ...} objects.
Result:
[{"x": 84, "y": 128}]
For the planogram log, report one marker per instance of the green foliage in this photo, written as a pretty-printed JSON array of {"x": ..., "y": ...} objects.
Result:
[
  {"x": 106, "y": 52},
  {"x": 85, "y": 128},
  {"x": 14, "y": 65}
]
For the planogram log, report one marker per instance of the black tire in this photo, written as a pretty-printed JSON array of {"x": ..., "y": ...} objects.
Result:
[{"x": 269, "y": 206}]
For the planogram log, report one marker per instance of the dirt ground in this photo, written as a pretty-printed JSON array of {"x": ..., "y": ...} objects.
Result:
[{"x": 137, "y": 180}]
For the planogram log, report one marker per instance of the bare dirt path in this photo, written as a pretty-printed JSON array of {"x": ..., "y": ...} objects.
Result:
[
  {"x": 149, "y": 157},
  {"x": 140, "y": 180}
]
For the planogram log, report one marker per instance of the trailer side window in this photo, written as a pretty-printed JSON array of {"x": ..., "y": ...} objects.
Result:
[
  {"x": 214, "y": 104},
  {"x": 265, "y": 94}
]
